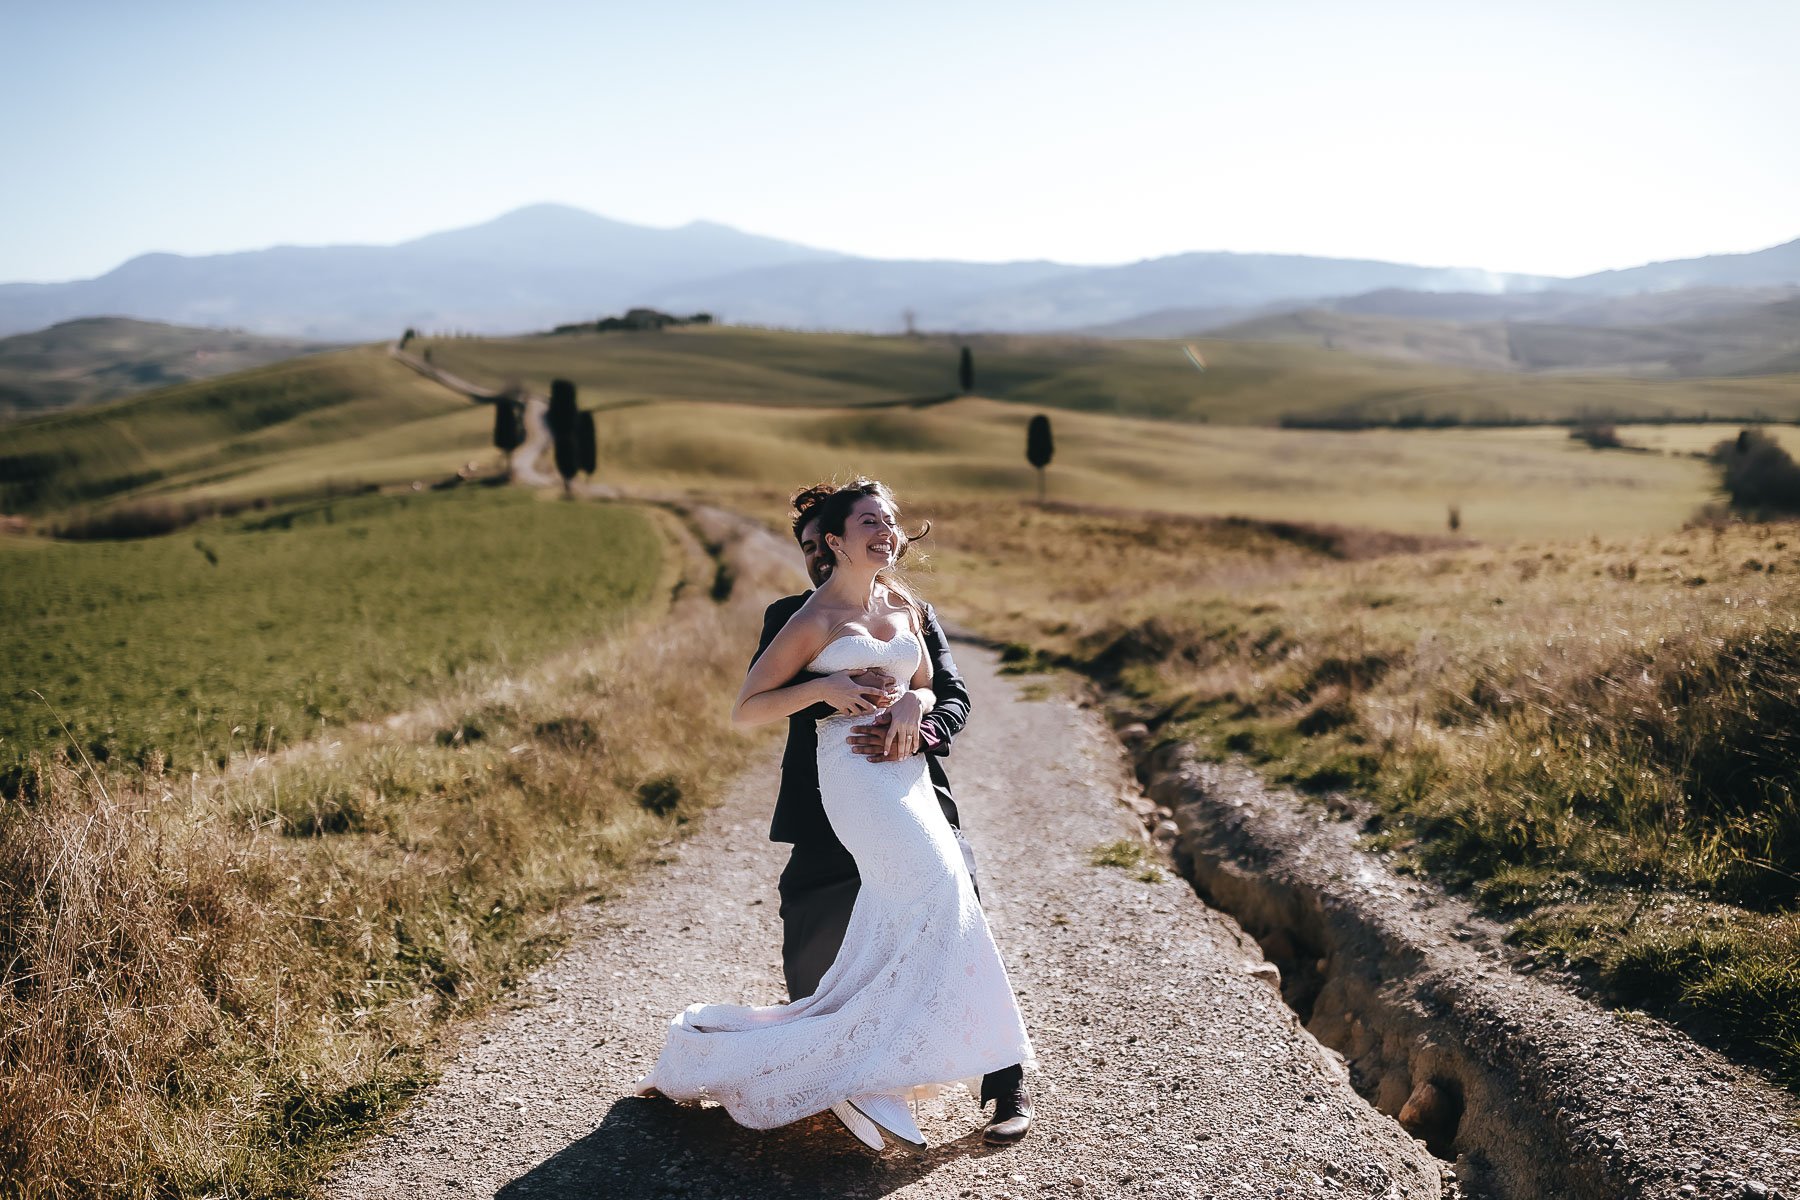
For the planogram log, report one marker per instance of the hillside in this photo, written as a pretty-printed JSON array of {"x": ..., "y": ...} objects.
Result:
[
  {"x": 1246, "y": 382},
  {"x": 1726, "y": 340},
  {"x": 1562, "y": 307},
  {"x": 751, "y": 412},
  {"x": 96, "y": 359},
  {"x": 1776, "y": 265},
  {"x": 192, "y": 442},
  {"x": 207, "y": 432}
]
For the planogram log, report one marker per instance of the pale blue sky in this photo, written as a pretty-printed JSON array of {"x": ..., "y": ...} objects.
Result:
[{"x": 1556, "y": 137}]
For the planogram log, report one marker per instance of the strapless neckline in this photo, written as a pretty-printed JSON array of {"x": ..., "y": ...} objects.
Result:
[
  {"x": 865, "y": 650},
  {"x": 869, "y": 637}
]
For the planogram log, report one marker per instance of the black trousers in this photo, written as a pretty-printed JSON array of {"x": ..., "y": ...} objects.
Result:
[{"x": 818, "y": 890}]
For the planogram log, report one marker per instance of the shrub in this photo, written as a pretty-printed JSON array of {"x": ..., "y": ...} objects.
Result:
[
  {"x": 1597, "y": 434},
  {"x": 1757, "y": 474}
]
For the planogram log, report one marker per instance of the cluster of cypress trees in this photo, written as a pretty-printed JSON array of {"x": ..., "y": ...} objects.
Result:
[
  {"x": 574, "y": 441},
  {"x": 577, "y": 449}
]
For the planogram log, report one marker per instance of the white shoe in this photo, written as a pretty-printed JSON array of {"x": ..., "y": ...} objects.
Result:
[
  {"x": 860, "y": 1127},
  {"x": 893, "y": 1115}
]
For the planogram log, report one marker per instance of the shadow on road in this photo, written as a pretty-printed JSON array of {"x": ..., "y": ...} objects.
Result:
[{"x": 655, "y": 1148}]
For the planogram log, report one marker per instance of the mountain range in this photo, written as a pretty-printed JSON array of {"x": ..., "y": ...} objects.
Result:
[{"x": 549, "y": 264}]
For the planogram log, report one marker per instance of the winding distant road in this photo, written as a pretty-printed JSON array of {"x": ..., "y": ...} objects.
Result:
[{"x": 530, "y": 453}]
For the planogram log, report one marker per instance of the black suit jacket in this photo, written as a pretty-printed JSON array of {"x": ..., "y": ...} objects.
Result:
[{"x": 799, "y": 812}]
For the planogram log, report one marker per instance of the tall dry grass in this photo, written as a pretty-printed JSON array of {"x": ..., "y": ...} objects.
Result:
[
  {"x": 210, "y": 982},
  {"x": 1597, "y": 738}
]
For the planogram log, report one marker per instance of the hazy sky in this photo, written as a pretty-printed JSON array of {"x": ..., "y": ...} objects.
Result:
[{"x": 1556, "y": 137}]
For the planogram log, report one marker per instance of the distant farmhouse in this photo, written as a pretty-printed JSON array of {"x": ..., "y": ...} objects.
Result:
[{"x": 636, "y": 319}]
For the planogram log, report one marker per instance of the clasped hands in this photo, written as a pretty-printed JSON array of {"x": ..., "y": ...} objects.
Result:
[{"x": 893, "y": 731}]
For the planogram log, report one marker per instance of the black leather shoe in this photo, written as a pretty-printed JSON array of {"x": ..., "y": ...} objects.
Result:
[{"x": 1012, "y": 1118}]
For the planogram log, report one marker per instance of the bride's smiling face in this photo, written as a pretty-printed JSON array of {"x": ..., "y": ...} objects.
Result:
[{"x": 871, "y": 535}]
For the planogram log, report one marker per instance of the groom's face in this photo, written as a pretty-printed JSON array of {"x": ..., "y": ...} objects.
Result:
[{"x": 816, "y": 553}]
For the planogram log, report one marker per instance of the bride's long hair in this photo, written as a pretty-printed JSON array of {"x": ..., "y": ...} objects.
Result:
[{"x": 832, "y": 510}]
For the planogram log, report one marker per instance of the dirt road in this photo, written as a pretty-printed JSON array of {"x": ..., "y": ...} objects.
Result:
[{"x": 1167, "y": 1067}]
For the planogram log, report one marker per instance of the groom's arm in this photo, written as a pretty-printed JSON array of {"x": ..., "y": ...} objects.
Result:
[
  {"x": 774, "y": 617},
  {"x": 951, "y": 713}
]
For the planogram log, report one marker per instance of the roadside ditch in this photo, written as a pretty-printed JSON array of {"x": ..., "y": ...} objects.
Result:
[{"x": 1525, "y": 1087}]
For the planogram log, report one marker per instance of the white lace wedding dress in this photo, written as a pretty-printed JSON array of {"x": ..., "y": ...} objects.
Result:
[{"x": 917, "y": 996}]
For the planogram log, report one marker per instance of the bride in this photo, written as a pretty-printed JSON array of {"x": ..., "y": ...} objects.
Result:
[{"x": 917, "y": 997}]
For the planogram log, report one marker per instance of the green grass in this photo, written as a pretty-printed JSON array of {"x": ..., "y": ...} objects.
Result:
[
  {"x": 1507, "y": 483},
  {"x": 240, "y": 633},
  {"x": 783, "y": 409},
  {"x": 1246, "y": 382},
  {"x": 212, "y": 982},
  {"x": 199, "y": 436},
  {"x": 1128, "y": 855}
]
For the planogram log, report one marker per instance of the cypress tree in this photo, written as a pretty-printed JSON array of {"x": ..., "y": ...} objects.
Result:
[
  {"x": 587, "y": 445},
  {"x": 509, "y": 425},
  {"x": 562, "y": 421},
  {"x": 1039, "y": 448},
  {"x": 965, "y": 371}
]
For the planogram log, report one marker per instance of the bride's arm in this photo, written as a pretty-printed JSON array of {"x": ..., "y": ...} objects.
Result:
[
  {"x": 902, "y": 735},
  {"x": 768, "y": 696}
]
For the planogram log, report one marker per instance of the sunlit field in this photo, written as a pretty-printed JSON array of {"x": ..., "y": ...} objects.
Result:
[
  {"x": 1245, "y": 382},
  {"x": 1571, "y": 705},
  {"x": 735, "y": 412},
  {"x": 1698, "y": 439},
  {"x": 203, "y": 435},
  {"x": 245, "y": 633},
  {"x": 213, "y": 979},
  {"x": 1505, "y": 483},
  {"x": 1596, "y": 736}
]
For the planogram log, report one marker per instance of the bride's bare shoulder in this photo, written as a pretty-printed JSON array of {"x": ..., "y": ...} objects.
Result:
[{"x": 810, "y": 622}]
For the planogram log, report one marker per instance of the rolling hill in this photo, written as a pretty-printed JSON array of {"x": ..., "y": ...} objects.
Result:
[
  {"x": 95, "y": 359},
  {"x": 1725, "y": 340},
  {"x": 1773, "y": 267},
  {"x": 718, "y": 405},
  {"x": 1247, "y": 381},
  {"x": 205, "y": 433}
]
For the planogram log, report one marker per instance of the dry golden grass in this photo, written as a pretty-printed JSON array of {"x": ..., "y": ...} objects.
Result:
[
  {"x": 1600, "y": 738},
  {"x": 213, "y": 980}
]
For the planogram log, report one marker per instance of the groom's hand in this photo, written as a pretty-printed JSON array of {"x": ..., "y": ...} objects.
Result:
[{"x": 870, "y": 740}]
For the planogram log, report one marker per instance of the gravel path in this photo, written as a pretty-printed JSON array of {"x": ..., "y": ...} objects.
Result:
[{"x": 1168, "y": 1067}]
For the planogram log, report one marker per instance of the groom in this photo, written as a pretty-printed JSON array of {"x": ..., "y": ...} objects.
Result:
[{"x": 820, "y": 883}]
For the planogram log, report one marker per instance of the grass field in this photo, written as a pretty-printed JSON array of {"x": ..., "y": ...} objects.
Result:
[
  {"x": 243, "y": 633},
  {"x": 1698, "y": 439},
  {"x": 1507, "y": 483},
  {"x": 357, "y": 417},
  {"x": 212, "y": 979},
  {"x": 206, "y": 433},
  {"x": 1596, "y": 736},
  {"x": 1245, "y": 383}
]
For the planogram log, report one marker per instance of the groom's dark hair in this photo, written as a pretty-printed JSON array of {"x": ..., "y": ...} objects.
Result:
[{"x": 806, "y": 502}]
